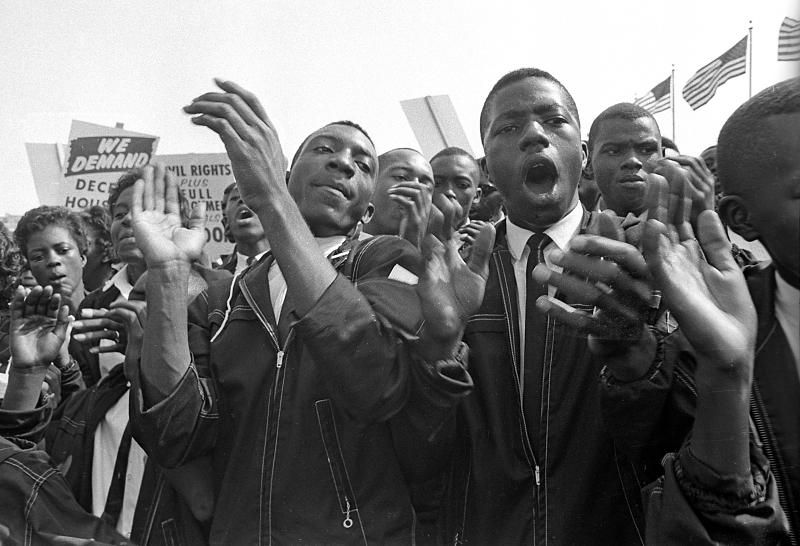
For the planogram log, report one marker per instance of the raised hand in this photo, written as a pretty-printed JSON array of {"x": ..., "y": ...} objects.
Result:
[
  {"x": 705, "y": 289},
  {"x": 156, "y": 220},
  {"x": 609, "y": 274},
  {"x": 39, "y": 328},
  {"x": 97, "y": 324},
  {"x": 450, "y": 289},
  {"x": 414, "y": 199},
  {"x": 250, "y": 139},
  {"x": 695, "y": 176}
]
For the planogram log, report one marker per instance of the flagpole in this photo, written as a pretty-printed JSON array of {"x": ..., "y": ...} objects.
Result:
[
  {"x": 750, "y": 60},
  {"x": 672, "y": 101}
]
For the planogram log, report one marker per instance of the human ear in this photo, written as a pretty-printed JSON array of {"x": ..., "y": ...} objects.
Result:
[
  {"x": 478, "y": 194},
  {"x": 584, "y": 154},
  {"x": 588, "y": 170},
  {"x": 368, "y": 214},
  {"x": 734, "y": 214},
  {"x": 484, "y": 167}
]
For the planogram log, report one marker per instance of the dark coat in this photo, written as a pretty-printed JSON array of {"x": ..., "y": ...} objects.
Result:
[{"x": 296, "y": 414}]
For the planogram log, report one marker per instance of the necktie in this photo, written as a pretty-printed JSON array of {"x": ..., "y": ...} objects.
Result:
[
  {"x": 116, "y": 491},
  {"x": 535, "y": 337}
]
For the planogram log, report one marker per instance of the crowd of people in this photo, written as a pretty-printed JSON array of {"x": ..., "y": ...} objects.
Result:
[{"x": 556, "y": 343}]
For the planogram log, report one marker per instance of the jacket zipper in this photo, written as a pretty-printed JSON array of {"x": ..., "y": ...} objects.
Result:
[{"x": 765, "y": 435}]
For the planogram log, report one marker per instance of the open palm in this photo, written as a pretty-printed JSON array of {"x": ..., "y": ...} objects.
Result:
[
  {"x": 704, "y": 288},
  {"x": 39, "y": 327},
  {"x": 156, "y": 220},
  {"x": 451, "y": 289}
]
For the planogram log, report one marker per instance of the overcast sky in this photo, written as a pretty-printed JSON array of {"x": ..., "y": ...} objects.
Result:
[{"x": 312, "y": 62}]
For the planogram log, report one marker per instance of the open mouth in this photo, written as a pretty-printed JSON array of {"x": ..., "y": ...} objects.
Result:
[
  {"x": 541, "y": 173},
  {"x": 244, "y": 213}
]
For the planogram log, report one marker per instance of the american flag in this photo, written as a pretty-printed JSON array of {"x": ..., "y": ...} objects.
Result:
[
  {"x": 703, "y": 85},
  {"x": 789, "y": 40},
  {"x": 657, "y": 99}
]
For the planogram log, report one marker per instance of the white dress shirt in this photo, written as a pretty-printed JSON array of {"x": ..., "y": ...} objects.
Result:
[
  {"x": 241, "y": 261},
  {"x": 107, "y": 361},
  {"x": 560, "y": 233},
  {"x": 277, "y": 284},
  {"x": 787, "y": 311},
  {"x": 107, "y": 438}
]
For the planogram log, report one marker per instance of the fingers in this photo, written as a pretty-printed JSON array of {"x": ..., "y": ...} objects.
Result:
[
  {"x": 18, "y": 303},
  {"x": 715, "y": 244},
  {"x": 566, "y": 314},
  {"x": 96, "y": 335},
  {"x": 608, "y": 225},
  {"x": 221, "y": 126},
  {"x": 482, "y": 250},
  {"x": 227, "y": 103},
  {"x": 115, "y": 348},
  {"x": 63, "y": 322},
  {"x": 158, "y": 187},
  {"x": 657, "y": 198},
  {"x": 172, "y": 203},
  {"x": 700, "y": 179},
  {"x": 89, "y": 325},
  {"x": 137, "y": 199},
  {"x": 197, "y": 218},
  {"x": 622, "y": 253},
  {"x": 249, "y": 98},
  {"x": 148, "y": 198},
  {"x": 597, "y": 270},
  {"x": 32, "y": 301},
  {"x": 449, "y": 209},
  {"x": 53, "y": 306},
  {"x": 654, "y": 241}
]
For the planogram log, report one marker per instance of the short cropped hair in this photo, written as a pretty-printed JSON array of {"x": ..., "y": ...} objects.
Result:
[
  {"x": 623, "y": 110},
  {"x": 519, "y": 75},
  {"x": 741, "y": 149},
  {"x": 40, "y": 218},
  {"x": 455, "y": 150},
  {"x": 346, "y": 122},
  {"x": 127, "y": 180}
]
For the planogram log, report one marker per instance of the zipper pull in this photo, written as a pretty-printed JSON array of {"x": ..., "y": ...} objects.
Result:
[
  {"x": 279, "y": 362},
  {"x": 347, "y": 523},
  {"x": 537, "y": 475}
]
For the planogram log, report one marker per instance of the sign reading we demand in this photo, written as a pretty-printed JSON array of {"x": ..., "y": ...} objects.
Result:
[{"x": 97, "y": 156}]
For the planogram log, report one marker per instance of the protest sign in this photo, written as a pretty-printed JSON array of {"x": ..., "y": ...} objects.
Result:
[
  {"x": 204, "y": 177},
  {"x": 435, "y": 124},
  {"x": 48, "y": 175},
  {"x": 96, "y": 157}
]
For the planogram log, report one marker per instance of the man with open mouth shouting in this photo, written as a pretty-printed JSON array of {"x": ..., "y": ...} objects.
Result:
[{"x": 570, "y": 379}]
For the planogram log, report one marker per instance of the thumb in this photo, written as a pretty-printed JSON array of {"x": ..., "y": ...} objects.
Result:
[
  {"x": 482, "y": 250},
  {"x": 715, "y": 244},
  {"x": 63, "y": 323},
  {"x": 197, "y": 220}
]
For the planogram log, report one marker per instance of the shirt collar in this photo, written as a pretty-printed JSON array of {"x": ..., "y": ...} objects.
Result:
[
  {"x": 120, "y": 280},
  {"x": 329, "y": 244},
  {"x": 560, "y": 233},
  {"x": 786, "y": 295},
  {"x": 242, "y": 259}
]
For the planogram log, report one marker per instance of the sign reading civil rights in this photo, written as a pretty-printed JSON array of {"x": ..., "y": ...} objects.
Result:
[
  {"x": 204, "y": 177},
  {"x": 96, "y": 157}
]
